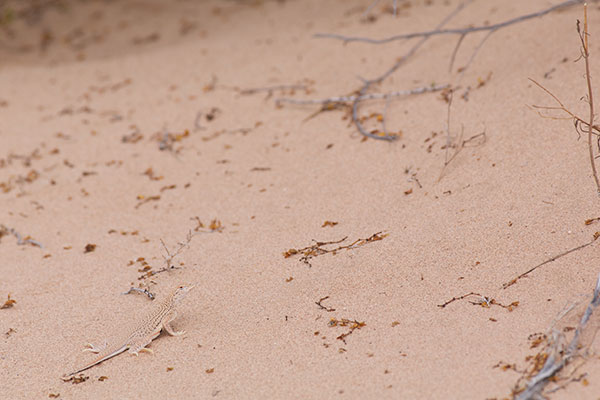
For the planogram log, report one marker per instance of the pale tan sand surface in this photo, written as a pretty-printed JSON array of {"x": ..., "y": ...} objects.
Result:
[{"x": 76, "y": 82}]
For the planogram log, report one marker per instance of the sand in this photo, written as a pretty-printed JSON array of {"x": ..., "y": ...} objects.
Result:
[{"x": 125, "y": 123}]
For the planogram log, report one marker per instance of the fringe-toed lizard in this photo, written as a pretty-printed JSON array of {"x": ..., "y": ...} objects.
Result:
[{"x": 146, "y": 330}]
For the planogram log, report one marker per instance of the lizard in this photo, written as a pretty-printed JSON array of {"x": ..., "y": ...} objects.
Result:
[{"x": 145, "y": 330}]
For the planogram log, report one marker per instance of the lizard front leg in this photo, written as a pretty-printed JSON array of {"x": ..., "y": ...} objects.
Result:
[{"x": 167, "y": 324}]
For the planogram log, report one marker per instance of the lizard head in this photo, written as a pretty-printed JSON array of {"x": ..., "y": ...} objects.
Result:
[{"x": 181, "y": 291}]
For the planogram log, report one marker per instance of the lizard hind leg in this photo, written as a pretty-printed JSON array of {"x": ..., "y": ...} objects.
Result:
[
  {"x": 139, "y": 345},
  {"x": 95, "y": 349},
  {"x": 136, "y": 350}
]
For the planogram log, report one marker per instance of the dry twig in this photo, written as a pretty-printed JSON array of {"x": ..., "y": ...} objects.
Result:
[
  {"x": 583, "y": 36},
  {"x": 322, "y": 307},
  {"x": 370, "y": 96},
  {"x": 483, "y": 301},
  {"x": 146, "y": 292},
  {"x": 462, "y": 32},
  {"x": 559, "y": 354},
  {"x": 4, "y": 230},
  {"x": 318, "y": 248},
  {"x": 551, "y": 259}
]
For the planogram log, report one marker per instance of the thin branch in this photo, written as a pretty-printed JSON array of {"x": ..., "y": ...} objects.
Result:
[
  {"x": 479, "y": 46},
  {"x": 551, "y": 259},
  {"x": 146, "y": 292},
  {"x": 4, "y": 230},
  {"x": 577, "y": 120},
  {"x": 271, "y": 89},
  {"x": 586, "y": 55},
  {"x": 461, "y": 145},
  {"x": 453, "y": 57},
  {"x": 460, "y": 31},
  {"x": 371, "y": 6},
  {"x": 368, "y": 83},
  {"x": 560, "y": 357},
  {"x": 370, "y": 96}
]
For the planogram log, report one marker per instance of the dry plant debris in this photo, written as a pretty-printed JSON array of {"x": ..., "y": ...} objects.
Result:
[
  {"x": 9, "y": 303},
  {"x": 581, "y": 125},
  {"x": 167, "y": 140},
  {"x": 288, "y": 90},
  {"x": 4, "y": 230},
  {"x": 214, "y": 226},
  {"x": 168, "y": 265},
  {"x": 483, "y": 301},
  {"x": 318, "y": 248},
  {"x": 143, "y": 291},
  {"x": 322, "y": 307},
  {"x": 150, "y": 174},
  {"x": 352, "y": 324},
  {"x": 563, "y": 350},
  {"x": 133, "y": 137},
  {"x": 591, "y": 220},
  {"x": 77, "y": 379},
  {"x": 551, "y": 259},
  {"x": 145, "y": 199}
]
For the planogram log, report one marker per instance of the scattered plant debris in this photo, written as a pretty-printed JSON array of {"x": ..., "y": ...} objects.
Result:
[
  {"x": 551, "y": 259},
  {"x": 144, "y": 291},
  {"x": 8, "y": 303},
  {"x": 483, "y": 301},
  {"x": 77, "y": 379},
  {"x": 4, "y": 230},
  {"x": 329, "y": 223},
  {"x": 352, "y": 324},
  {"x": 150, "y": 174},
  {"x": 143, "y": 200},
  {"x": 562, "y": 351},
  {"x": 214, "y": 226},
  {"x": 322, "y": 307},
  {"x": 317, "y": 249}
]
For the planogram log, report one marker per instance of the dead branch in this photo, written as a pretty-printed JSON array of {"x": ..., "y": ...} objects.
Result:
[
  {"x": 4, "y": 230},
  {"x": 146, "y": 292},
  {"x": 318, "y": 248},
  {"x": 460, "y": 31},
  {"x": 322, "y": 307},
  {"x": 369, "y": 83},
  {"x": 551, "y": 259},
  {"x": 375, "y": 2},
  {"x": 479, "y": 138},
  {"x": 577, "y": 121},
  {"x": 271, "y": 89},
  {"x": 483, "y": 301},
  {"x": 370, "y": 96},
  {"x": 583, "y": 36},
  {"x": 560, "y": 354},
  {"x": 181, "y": 245}
]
